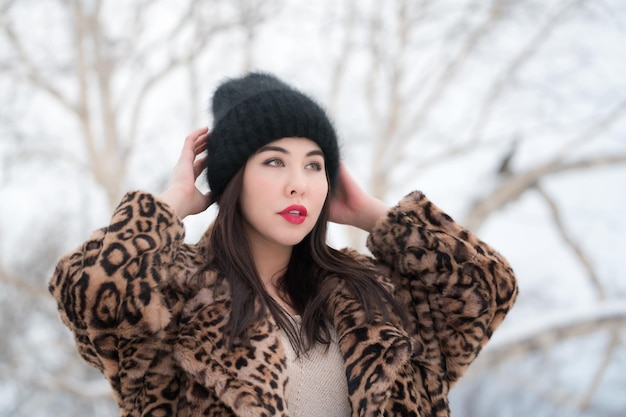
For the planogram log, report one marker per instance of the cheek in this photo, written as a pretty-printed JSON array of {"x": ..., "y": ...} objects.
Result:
[
  {"x": 254, "y": 184},
  {"x": 320, "y": 193}
]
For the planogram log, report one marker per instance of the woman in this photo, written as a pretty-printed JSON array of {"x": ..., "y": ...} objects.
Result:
[{"x": 261, "y": 317}]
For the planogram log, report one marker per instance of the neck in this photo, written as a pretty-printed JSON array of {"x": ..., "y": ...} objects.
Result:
[{"x": 271, "y": 262}]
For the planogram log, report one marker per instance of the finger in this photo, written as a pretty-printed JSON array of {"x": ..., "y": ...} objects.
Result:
[
  {"x": 199, "y": 148},
  {"x": 198, "y": 132},
  {"x": 202, "y": 137},
  {"x": 198, "y": 166},
  {"x": 188, "y": 152},
  {"x": 200, "y": 144},
  {"x": 192, "y": 137},
  {"x": 189, "y": 145}
]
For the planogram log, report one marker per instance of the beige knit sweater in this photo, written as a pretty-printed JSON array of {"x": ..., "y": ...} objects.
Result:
[{"x": 317, "y": 384}]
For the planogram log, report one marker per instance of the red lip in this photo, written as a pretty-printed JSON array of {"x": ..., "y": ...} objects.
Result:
[{"x": 295, "y": 214}]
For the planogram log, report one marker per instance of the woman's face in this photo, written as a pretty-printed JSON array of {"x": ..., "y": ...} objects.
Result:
[{"x": 284, "y": 190}]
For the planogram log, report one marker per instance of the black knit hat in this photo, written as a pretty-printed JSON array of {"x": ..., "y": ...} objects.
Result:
[{"x": 254, "y": 110}]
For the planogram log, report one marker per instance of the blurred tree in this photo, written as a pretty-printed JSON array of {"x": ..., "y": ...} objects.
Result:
[
  {"x": 114, "y": 59},
  {"x": 409, "y": 102},
  {"x": 508, "y": 90},
  {"x": 97, "y": 66}
]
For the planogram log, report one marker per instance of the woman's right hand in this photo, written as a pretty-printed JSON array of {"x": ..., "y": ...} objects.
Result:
[
  {"x": 351, "y": 205},
  {"x": 182, "y": 195}
]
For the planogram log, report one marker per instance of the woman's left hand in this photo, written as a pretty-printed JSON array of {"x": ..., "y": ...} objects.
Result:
[
  {"x": 182, "y": 195},
  {"x": 351, "y": 205}
]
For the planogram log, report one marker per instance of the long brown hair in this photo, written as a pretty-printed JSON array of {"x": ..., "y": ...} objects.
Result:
[{"x": 312, "y": 260}]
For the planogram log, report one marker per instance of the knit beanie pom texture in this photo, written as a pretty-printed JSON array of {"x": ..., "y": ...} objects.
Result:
[{"x": 254, "y": 110}]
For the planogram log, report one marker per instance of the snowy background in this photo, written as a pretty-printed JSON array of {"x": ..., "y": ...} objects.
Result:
[{"x": 509, "y": 114}]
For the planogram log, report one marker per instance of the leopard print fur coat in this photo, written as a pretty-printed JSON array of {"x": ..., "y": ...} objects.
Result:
[{"x": 141, "y": 314}]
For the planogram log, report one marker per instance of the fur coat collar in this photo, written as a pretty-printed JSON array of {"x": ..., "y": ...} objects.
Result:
[{"x": 238, "y": 375}]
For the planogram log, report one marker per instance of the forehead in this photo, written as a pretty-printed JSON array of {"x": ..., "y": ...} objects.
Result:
[{"x": 295, "y": 144}]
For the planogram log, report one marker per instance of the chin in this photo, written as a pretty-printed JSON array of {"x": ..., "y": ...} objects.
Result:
[{"x": 292, "y": 240}]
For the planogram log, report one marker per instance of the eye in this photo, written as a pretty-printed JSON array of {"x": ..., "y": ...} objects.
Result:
[
  {"x": 274, "y": 162},
  {"x": 315, "y": 166}
]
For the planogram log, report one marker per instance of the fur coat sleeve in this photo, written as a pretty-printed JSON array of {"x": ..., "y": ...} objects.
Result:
[
  {"x": 107, "y": 294},
  {"x": 457, "y": 288}
]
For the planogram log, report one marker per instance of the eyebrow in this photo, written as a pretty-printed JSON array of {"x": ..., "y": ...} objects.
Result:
[{"x": 285, "y": 151}]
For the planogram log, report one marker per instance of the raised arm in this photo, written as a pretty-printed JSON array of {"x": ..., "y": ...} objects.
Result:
[
  {"x": 108, "y": 289},
  {"x": 460, "y": 288},
  {"x": 104, "y": 288}
]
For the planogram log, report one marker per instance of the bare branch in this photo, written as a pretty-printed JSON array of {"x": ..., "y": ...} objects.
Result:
[
  {"x": 99, "y": 389},
  {"x": 174, "y": 63},
  {"x": 103, "y": 65},
  {"x": 447, "y": 75},
  {"x": 158, "y": 43},
  {"x": 395, "y": 104},
  {"x": 98, "y": 166},
  {"x": 345, "y": 51},
  {"x": 513, "y": 188},
  {"x": 516, "y": 185},
  {"x": 571, "y": 242},
  {"x": 374, "y": 31},
  {"x": 9, "y": 278},
  {"x": 46, "y": 155},
  {"x": 20, "y": 283},
  {"x": 514, "y": 343},
  {"x": 33, "y": 74},
  {"x": 451, "y": 153},
  {"x": 606, "y": 361},
  {"x": 600, "y": 126},
  {"x": 250, "y": 18},
  {"x": 542, "y": 35},
  {"x": 92, "y": 390}
]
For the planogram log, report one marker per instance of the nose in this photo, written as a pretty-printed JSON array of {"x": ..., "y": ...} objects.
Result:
[{"x": 296, "y": 184}]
